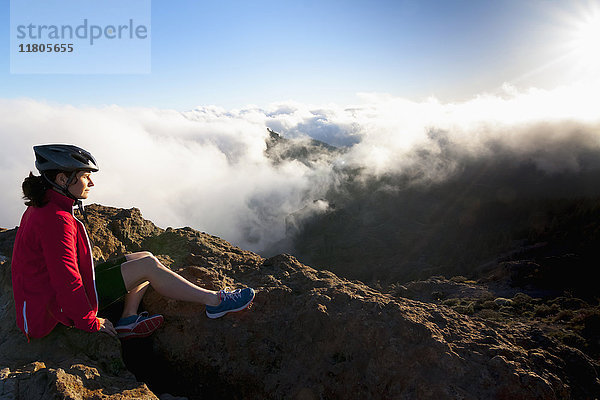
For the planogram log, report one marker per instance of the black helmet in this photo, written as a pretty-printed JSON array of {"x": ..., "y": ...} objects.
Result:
[{"x": 63, "y": 157}]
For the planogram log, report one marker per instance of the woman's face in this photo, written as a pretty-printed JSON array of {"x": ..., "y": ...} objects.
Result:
[{"x": 80, "y": 189}]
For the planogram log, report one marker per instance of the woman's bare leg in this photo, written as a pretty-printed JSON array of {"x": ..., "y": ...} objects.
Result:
[
  {"x": 134, "y": 296},
  {"x": 144, "y": 267},
  {"x": 133, "y": 300}
]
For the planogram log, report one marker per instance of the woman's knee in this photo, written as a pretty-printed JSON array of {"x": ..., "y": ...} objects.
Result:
[
  {"x": 139, "y": 270},
  {"x": 138, "y": 255},
  {"x": 148, "y": 262}
]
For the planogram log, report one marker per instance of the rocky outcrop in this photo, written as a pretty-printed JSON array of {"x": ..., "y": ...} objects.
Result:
[
  {"x": 310, "y": 334},
  {"x": 67, "y": 364},
  {"x": 115, "y": 231},
  {"x": 305, "y": 150},
  {"x": 70, "y": 363}
]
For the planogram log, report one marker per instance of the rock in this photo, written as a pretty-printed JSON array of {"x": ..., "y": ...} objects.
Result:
[
  {"x": 310, "y": 334},
  {"x": 501, "y": 301},
  {"x": 438, "y": 288},
  {"x": 68, "y": 363},
  {"x": 116, "y": 231}
]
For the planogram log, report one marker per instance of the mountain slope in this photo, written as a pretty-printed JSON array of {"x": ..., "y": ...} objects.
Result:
[{"x": 312, "y": 334}]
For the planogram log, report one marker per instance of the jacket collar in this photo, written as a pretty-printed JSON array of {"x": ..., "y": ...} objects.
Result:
[{"x": 64, "y": 202}]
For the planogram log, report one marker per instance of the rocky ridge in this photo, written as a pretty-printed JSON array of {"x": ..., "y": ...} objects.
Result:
[{"x": 309, "y": 335}]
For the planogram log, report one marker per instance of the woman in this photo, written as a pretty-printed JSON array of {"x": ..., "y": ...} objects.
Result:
[{"x": 53, "y": 274}]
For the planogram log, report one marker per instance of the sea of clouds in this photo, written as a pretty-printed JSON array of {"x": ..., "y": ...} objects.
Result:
[{"x": 206, "y": 168}]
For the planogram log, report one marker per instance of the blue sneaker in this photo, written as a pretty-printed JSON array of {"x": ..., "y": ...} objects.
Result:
[
  {"x": 138, "y": 326},
  {"x": 231, "y": 302}
]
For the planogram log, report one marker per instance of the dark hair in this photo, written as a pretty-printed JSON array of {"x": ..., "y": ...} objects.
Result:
[{"x": 34, "y": 188}]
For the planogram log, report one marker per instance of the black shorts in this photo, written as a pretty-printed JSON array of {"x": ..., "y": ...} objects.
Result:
[{"x": 109, "y": 282}]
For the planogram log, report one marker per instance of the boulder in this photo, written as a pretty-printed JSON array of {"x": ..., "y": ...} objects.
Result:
[{"x": 68, "y": 363}]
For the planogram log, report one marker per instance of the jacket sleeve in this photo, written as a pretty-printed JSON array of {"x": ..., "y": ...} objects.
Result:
[{"x": 59, "y": 246}]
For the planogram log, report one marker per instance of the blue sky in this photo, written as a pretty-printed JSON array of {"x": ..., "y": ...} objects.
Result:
[{"x": 234, "y": 53}]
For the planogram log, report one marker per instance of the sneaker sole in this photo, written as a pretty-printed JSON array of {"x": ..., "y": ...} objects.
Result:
[
  {"x": 140, "y": 329},
  {"x": 220, "y": 314}
]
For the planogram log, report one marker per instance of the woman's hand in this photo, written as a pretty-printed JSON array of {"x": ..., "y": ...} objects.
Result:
[{"x": 107, "y": 326}]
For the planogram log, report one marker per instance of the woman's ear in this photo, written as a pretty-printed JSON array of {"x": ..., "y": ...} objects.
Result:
[{"x": 61, "y": 179}]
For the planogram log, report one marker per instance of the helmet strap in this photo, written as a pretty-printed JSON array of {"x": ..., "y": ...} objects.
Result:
[
  {"x": 71, "y": 179},
  {"x": 82, "y": 211},
  {"x": 65, "y": 190}
]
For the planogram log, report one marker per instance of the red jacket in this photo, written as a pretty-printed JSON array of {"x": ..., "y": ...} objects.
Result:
[{"x": 53, "y": 270}]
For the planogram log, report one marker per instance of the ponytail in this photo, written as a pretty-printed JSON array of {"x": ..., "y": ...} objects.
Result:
[{"x": 34, "y": 188}]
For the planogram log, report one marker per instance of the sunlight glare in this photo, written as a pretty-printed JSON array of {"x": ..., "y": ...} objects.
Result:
[
  {"x": 587, "y": 39},
  {"x": 585, "y": 43}
]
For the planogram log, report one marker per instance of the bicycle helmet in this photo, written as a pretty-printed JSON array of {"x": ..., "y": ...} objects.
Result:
[{"x": 63, "y": 157}]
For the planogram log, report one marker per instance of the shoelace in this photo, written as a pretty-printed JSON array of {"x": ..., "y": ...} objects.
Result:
[
  {"x": 142, "y": 315},
  {"x": 225, "y": 294}
]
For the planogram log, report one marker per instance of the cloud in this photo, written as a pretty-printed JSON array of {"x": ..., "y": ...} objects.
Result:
[
  {"x": 207, "y": 168},
  {"x": 204, "y": 169}
]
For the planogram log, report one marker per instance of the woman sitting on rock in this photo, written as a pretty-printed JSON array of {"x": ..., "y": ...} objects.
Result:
[{"x": 53, "y": 275}]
